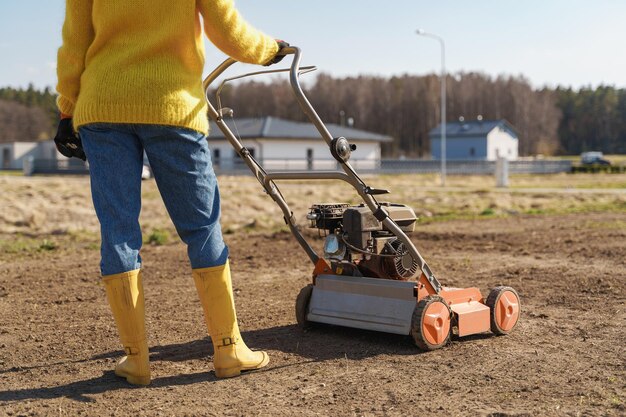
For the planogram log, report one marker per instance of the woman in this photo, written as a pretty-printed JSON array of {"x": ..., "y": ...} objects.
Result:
[{"x": 129, "y": 80}]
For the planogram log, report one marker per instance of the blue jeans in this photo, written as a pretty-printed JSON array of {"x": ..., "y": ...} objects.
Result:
[{"x": 181, "y": 165}]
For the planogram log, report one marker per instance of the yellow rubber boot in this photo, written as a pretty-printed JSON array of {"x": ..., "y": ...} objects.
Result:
[
  {"x": 231, "y": 355},
  {"x": 125, "y": 295}
]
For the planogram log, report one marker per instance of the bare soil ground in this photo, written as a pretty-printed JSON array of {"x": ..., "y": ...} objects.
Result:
[{"x": 567, "y": 356}]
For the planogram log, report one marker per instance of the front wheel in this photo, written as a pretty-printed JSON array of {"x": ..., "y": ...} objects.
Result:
[{"x": 430, "y": 324}]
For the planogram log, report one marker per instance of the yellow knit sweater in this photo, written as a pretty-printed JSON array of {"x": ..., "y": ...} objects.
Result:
[{"x": 141, "y": 61}]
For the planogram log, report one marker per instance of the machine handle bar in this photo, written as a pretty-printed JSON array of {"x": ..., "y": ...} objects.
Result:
[{"x": 358, "y": 184}]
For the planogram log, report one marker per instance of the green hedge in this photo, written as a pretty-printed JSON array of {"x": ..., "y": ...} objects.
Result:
[{"x": 596, "y": 168}]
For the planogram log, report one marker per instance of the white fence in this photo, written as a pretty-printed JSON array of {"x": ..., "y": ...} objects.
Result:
[
  {"x": 385, "y": 166},
  {"x": 56, "y": 166},
  {"x": 460, "y": 167}
]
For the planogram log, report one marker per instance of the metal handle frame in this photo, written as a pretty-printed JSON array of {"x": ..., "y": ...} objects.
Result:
[{"x": 349, "y": 175}]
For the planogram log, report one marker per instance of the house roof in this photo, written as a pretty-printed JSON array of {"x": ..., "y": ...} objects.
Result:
[
  {"x": 472, "y": 128},
  {"x": 275, "y": 128}
]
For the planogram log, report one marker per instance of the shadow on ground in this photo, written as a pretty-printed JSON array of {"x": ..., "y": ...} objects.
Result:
[{"x": 317, "y": 343}]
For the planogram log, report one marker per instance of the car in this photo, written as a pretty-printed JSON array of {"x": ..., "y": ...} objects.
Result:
[
  {"x": 593, "y": 158},
  {"x": 146, "y": 172}
]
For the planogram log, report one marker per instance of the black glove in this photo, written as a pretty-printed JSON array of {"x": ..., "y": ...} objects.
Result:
[
  {"x": 278, "y": 57},
  {"x": 68, "y": 142}
]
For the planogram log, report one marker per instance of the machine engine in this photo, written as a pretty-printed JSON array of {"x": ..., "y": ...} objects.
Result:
[{"x": 359, "y": 244}]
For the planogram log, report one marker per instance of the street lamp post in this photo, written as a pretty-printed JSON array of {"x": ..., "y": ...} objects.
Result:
[{"x": 421, "y": 32}]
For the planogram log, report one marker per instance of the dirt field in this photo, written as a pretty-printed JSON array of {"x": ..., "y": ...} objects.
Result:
[{"x": 58, "y": 343}]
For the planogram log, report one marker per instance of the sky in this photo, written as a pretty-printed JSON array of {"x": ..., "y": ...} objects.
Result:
[{"x": 573, "y": 43}]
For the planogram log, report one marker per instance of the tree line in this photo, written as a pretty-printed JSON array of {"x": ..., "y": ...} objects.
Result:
[
  {"x": 406, "y": 107},
  {"x": 27, "y": 114},
  {"x": 592, "y": 119}
]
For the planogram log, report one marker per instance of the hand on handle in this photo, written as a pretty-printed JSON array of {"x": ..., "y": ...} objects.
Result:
[{"x": 279, "y": 56}]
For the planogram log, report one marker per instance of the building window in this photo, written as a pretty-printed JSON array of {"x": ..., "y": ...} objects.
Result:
[
  {"x": 6, "y": 158},
  {"x": 472, "y": 152},
  {"x": 216, "y": 157},
  {"x": 309, "y": 159}
]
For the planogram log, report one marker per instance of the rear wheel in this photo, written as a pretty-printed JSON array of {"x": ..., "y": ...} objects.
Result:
[
  {"x": 504, "y": 305},
  {"x": 302, "y": 306},
  {"x": 430, "y": 324}
]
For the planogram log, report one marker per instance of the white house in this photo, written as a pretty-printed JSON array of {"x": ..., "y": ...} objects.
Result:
[
  {"x": 283, "y": 144},
  {"x": 13, "y": 154},
  {"x": 476, "y": 140}
]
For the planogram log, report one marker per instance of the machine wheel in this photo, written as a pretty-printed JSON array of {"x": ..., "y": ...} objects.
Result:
[
  {"x": 430, "y": 324},
  {"x": 504, "y": 305},
  {"x": 302, "y": 306}
]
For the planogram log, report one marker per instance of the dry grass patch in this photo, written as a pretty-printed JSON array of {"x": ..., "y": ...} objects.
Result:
[{"x": 42, "y": 206}]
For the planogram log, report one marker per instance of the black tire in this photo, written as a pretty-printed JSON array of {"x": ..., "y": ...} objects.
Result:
[
  {"x": 302, "y": 306},
  {"x": 492, "y": 302},
  {"x": 418, "y": 318}
]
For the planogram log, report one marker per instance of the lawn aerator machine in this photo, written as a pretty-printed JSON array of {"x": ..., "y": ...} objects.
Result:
[{"x": 370, "y": 276}]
